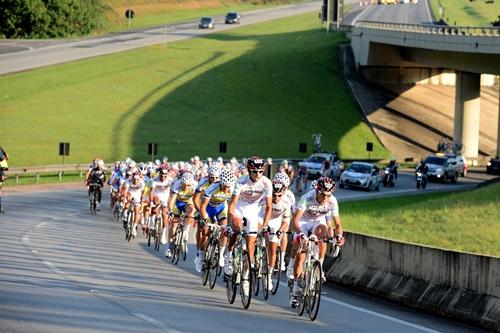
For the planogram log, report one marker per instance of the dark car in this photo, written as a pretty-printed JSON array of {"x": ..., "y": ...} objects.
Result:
[
  {"x": 207, "y": 23},
  {"x": 233, "y": 17},
  {"x": 493, "y": 166}
]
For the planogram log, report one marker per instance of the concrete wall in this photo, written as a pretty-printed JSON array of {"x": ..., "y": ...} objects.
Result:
[{"x": 459, "y": 285}]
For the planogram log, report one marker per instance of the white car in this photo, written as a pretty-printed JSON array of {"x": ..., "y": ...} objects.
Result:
[{"x": 361, "y": 175}]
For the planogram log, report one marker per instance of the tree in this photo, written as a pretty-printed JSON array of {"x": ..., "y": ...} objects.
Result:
[{"x": 496, "y": 23}]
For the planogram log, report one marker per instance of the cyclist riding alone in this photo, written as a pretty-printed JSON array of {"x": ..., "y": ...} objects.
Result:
[
  {"x": 95, "y": 181},
  {"x": 214, "y": 209},
  {"x": 316, "y": 211}
]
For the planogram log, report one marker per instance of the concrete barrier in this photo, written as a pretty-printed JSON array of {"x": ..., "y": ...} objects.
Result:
[{"x": 459, "y": 285}]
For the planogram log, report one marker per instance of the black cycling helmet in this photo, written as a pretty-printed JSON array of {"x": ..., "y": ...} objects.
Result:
[
  {"x": 256, "y": 163},
  {"x": 325, "y": 184}
]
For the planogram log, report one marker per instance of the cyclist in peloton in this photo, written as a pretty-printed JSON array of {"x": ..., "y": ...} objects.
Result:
[
  {"x": 98, "y": 177},
  {"x": 290, "y": 199},
  {"x": 279, "y": 222},
  {"x": 315, "y": 212},
  {"x": 133, "y": 193},
  {"x": 248, "y": 192},
  {"x": 159, "y": 194},
  {"x": 180, "y": 201},
  {"x": 4, "y": 157},
  {"x": 214, "y": 206},
  {"x": 204, "y": 183}
]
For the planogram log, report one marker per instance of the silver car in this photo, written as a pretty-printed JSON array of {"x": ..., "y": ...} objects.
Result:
[
  {"x": 442, "y": 168},
  {"x": 361, "y": 175}
]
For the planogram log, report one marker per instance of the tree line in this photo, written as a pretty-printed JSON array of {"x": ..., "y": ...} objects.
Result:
[{"x": 51, "y": 18}]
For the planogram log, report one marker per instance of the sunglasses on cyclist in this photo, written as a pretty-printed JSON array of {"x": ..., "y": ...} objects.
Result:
[
  {"x": 326, "y": 194},
  {"x": 277, "y": 195},
  {"x": 257, "y": 172}
]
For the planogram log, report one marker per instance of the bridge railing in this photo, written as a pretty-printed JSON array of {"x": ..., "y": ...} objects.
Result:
[{"x": 431, "y": 29}]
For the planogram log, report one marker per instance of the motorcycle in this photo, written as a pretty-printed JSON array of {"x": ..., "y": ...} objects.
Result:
[
  {"x": 388, "y": 177},
  {"x": 421, "y": 179}
]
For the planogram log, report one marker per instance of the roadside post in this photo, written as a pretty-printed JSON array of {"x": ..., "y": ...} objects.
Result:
[
  {"x": 369, "y": 148},
  {"x": 129, "y": 14},
  {"x": 63, "y": 151},
  {"x": 152, "y": 150}
]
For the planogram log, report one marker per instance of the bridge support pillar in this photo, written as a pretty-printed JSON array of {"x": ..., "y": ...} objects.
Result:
[
  {"x": 498, "y": 129},
  {"x": 467, "y": 110}
]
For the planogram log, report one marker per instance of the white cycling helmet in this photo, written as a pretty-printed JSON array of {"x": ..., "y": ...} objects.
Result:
[
  {"x": 187, "y": 178},
  {"x": 227, "y": 177},
  {"x": 213, "y": 171},
  {"x": 100, "y": 163},
  {"x": 282, "y": 178},
  {"x": 143, "y": 169}
]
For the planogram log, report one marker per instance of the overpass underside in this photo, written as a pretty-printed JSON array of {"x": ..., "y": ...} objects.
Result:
[{"x": 407, "y": 62}]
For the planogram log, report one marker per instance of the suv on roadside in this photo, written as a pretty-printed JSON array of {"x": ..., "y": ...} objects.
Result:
[
  {"x": 442, "y": 168},
  {"x": 315, "y": 165}
]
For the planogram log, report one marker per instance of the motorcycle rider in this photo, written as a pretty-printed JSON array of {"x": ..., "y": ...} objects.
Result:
[
  {"x": 423, "y": 168},
  {"x": 393, "y": 167}
]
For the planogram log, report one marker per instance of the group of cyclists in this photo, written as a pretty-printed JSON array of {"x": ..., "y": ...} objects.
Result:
[{"x": 232, "y": 195}]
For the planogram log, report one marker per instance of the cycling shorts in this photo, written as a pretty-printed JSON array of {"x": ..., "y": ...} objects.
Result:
[
  {"x": 180, "y": 207},
  {"x": 219, "y": 211},
  {"x": 251, "y": 213}
]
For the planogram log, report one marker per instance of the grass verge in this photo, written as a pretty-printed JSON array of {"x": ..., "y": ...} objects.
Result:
[
  {"x": 466, "y": 13},
  {"x": 462, "y": 221},
  {"x": 263, "y": 89},
  {"x": 44, "y": 178}
]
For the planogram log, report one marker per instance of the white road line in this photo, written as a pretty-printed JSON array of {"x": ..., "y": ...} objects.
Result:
[
  {"x": 154, "y": 322},
  {"x": 40, "y": 225},
  {"x": 373, "y": 313},
  {"x": 26, "y": 240},
  {"x": 53, "y": 267},
  {"x": 428, "y": 11}
]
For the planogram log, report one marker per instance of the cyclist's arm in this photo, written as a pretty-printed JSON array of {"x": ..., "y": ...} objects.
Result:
[
  {"x": 285, "y": 222},
  {"x": 171, "y": 201},
  {"x": 339, "y": 231},
  {"x": 295, "y": 222},
  {"x": 232, "y": 206},
  {"x": 203, "y": 208},
  {"x": 197, "y": 200},
  {"x": 269, "y": 210}
]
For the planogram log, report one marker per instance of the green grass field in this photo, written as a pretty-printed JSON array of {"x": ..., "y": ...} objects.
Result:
[
  {"x": 466, "y": 12},
  {"x": 463, "y": 221},
  {"x": 262, "y": 89}
]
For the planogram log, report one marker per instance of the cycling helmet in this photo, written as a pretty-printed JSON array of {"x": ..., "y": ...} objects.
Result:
[
  {"x": 283, "y": 178},
  {"x": 278, "y": 186},
  {"x": 256, "y": 163},
  {"x": 187, "y": 178},
  {"x": 137, "y": 175},
  {"x": 325, "y": 184},
  {"x": 209, "y": 160},
  {"x": 132, "y": 164},
  {"x": 165, "y": 159},
  {"x": 213, "y": 171},
  {"x": 151, "y": 169},
  {"x": 163, "y": 171},
  {"x": 143, "y": 169},
  {"x": 227, "y": 178},
  {"x": 100, "y": 164}
]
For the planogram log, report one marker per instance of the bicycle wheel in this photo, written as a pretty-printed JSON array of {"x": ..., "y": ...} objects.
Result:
[
  {"x": 116, "y": 210},
  {"x": 206, "y": 265},
  {"x": 91, "y": 202},
  {"x": 231, "y": 286},
  {"x": 214, "y": 264},
  {"x": 276, "y": 273},
  {"x": 150, "y": 231},
  {"x": 177, "y": 245},
  {"x": 264, "y": 273},
  {"x": 301, "y": 300},
  {"x": 130, "y": 225},
  {"x": 246, "y": 280},
  {"x": 256, "y": 275},
  {"x": 313, "y": 295}
]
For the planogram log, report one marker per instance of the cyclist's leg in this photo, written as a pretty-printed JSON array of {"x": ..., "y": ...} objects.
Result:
[
  {"x": 322, "y": 232},
  {"x": 252, "y": 227},
  {"x": 272, "y": 246}
]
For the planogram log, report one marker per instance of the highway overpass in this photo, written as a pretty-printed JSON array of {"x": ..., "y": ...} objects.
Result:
[{"x": 416, "y": 51}]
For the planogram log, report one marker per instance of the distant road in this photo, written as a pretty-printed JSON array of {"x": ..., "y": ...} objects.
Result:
[{"x": 21, "y": 55}]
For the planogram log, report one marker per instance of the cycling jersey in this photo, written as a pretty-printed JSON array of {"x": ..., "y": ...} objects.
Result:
[
  {"x": 135, "y": 190},
  {"x": 161, "y": 189},
  {"x": 184, "y": 197},
  {"x": 216, "y": 195},
  {"x": 315, "y": 212},
  {"x": 203, "y": 184},
  {"x": 250, "y": 194}
]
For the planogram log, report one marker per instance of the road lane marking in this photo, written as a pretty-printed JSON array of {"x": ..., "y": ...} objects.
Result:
[
  {"x": 53, "y": 267},
  {"x": 40, "y": 225},
  {"x": 26, "y": 240},
  {"x": 154, "y": 322},
  {"x": 373, "y": 313}
]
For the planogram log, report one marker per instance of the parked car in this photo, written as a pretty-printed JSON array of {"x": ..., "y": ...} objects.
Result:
[
  {"x": 493, "y": 166},
  {"x": 207, "y": 23},
  {"x": 233, "y": 17},
  {"x": 442, "y": 168},
  {"x": 361, "y": 175},
  {"x": 316, "y": 162}
]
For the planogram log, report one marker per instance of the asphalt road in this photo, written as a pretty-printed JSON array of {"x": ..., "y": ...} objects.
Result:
[
  {"x": 18, "y": 55},
  {"x": 63, "y": 270}
]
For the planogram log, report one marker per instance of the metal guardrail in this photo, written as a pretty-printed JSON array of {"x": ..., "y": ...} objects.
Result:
[
  {"x": 35, "y": 171},
  {"x": 432, "y": 29}
]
